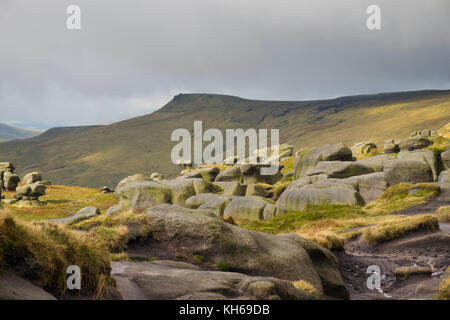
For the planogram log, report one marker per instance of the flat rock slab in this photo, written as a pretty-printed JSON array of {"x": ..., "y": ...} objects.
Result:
[
  {"x": 165, "y": 280},
  {"x": 13, "y": 287}
]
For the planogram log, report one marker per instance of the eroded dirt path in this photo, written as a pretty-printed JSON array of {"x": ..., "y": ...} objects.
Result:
[{"x": 419, "y": 249}]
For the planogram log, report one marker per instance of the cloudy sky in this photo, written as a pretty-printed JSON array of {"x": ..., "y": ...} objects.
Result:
[{"x": 131, "y": 57}]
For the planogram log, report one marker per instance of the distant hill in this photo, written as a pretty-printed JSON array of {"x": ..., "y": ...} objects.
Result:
[
  {"x": 98, "y": 155},
  {"x": 8, "y": 132}
]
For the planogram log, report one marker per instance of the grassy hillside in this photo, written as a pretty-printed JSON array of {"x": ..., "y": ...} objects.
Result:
[
  {"x": 8, "y": 132},
  {"x": 98, "y": 155}
]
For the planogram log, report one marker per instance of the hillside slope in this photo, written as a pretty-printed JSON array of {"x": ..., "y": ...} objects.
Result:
[
  {"x": 98, "y": 155},
  {"x": 8, "y": 132}
]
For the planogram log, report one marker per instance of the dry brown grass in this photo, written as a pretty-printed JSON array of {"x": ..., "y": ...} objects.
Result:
[{"x": 42, "y": 252}]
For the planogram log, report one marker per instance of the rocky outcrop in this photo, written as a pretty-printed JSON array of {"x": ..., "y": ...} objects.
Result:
[
  {"x": 445, "y": 156},
  {"x": 317, "y": 194},
  {"x": 390, "y": 147},
  {"x": 414, "y": 143},
  {"x": 30, "y": 191},
  {"x": 256, "y": 190},
  {"x": 230, "y": 174},
  {"x": 370, "y": 186},
  {"x": 10, "y": 181},
  {"x": 339, "y": 169},
  {"x": 13, "y": 287},
  {"x": 209, "y": 174},
  {"x": 232, "y": 188},
  {"x": 209, "y": 201},
  {"x": 286, "y": 257},
  {"x": 412, "y": 166},
  {"x": 337, "y": 152},
  {"x": 252, "y": 174},
  {"x": 32, "y": 177},
  {"x": 250, "y": 207},
  {"x": 444, "y": 177},
  {"x": 376, "y": 162}
]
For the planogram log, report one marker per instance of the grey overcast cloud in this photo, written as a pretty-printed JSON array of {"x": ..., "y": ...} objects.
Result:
[{"x": 131, "y": 57}]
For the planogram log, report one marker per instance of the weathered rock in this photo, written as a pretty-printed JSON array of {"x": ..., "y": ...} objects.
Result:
[
  {"x": 422, "y": 133},
  {"x": 269, "y": 212},
  {"x": 337, "y": 152},
  {"x": 142, "y": 194},
  {"x": 339, "y": 169},
  {"x": 370, "y": 186},
  {"x": 445, "y": 156},
  {"x": 13, "y": 287},
  {"x": 398, "y": 171},
  {"x": 32, "y": 177},
  {"x": 209, "y": 201},
  {"x": 256, "y": 190},
  {"x": 83, "y": 214},
  {"x": 251, "y": 208},
  {"x": 414, "y": 143},
  {"x": 425, "y": 156},
  {"x": 297, "y": 184},
  {"x": 318, "y": 194},
  {"x": 7, "y": 166},
  {"x": 114, "y": 210},
  {"x": 30, "y": 191},
  {"x": 232, "y": 188},
  {"x": 362, "y": 148},
  {"x": 376, "y": 162},
  {"x": 169, "y": 280},
  {"x": 209, "y": 174},
  {"x": 251, "y": 174},
  {"x": 136, "y": 177},
  {"x": 10, "y": 181},
  {"x": 287, "y": 257},
  {"x": 231, "y": 174},
  {"x": 390, "y": 147},
  {"x": 444, "y": 177}
]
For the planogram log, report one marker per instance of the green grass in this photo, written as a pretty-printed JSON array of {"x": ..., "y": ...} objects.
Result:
[
  {"x": 63, "y": 201},
  {"x": 443, "y": 214},
  {"x": 292, "y": 221},
  {"x": 222, "y": 266}
]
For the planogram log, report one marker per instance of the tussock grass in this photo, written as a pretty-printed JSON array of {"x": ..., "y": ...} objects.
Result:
[
  {"x": 394, "y": 230},
  {"x": 443, "y": 292},
  {"x": 41, "y": 252},
  {"x": 402, "y": 196},
  {"x": 443, "y": 214}
]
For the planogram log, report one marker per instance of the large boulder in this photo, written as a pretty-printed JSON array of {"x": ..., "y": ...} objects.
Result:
[
  {"x": 10, "y": 181},
  {"x": 209, "y": 201},
  {"x": 251, "y": 174},
  {"x": 445, "y": 156},
  {"x": 287, "y": 257},
  {"x": 232, "y": 188},
  {"x": 370, "y": 186},
  {"x": 30, "y": 191},
  {"x": 142, "y": 194},
  {"x": 256, "y": 190},
  {"x": 414, "y": 143},
  {"x": 83, "y": 214},
  {"x": 230, "y": 174},
  {"x": 136, "y": 177},
  {"x": 250, "y": 207},
  {"x": 7, "y": 166},
  {"x": 411, "y": 171},
  {"x": 297, "y": 184},
  {"x": 376, "y": 162},
  {"x": 209, "y": 174},
  {"x": 337, "y": 152},
  {"x": 317, "y": 194},
  {"x": 390, "y": 147},
  {"x": 176, "y": 280},
  {"x": 444, "y": 177},
  {"x": 339, "y": 169},
  {"x": 135, "y": 193},
  {"x": 32, "y": 177},
  {"x": 425, "y": 156}
]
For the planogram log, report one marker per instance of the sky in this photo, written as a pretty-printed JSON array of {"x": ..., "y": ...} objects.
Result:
[{"x": 131, "y": 57}]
